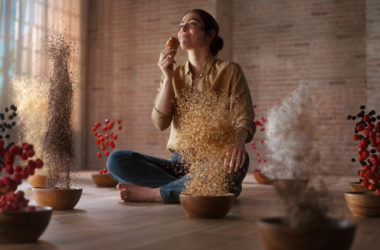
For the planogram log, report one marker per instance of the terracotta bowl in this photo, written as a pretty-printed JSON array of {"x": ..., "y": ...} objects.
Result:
[
  {"x": 40, "y": 180},
  {"x": 262, "y": 178},
  {"x": 207, "y": 206},
  {"x": 103, "y": 180},
  {"x": 22, "y": 227},
  {"x": 275, "y": 234},
  {"x": 363, "y": 203},
  {"x": 290, "y": 183},
  {"x": 57, "y": 198}
]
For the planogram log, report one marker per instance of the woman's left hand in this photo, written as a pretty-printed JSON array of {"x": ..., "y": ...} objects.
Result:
[{"x": 237, "y": 157}]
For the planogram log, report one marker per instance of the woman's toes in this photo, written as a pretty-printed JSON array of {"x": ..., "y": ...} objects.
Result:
[{"x": 121, "y": 186}]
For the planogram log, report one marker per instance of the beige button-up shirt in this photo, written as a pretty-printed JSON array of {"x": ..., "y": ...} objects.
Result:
[{"x": 221, "y": 76}]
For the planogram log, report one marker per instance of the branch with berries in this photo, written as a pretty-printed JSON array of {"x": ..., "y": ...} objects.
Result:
[
  {"x": 367, "y": 133},
  {"x": 260, "y": 125},
  {"x": 105, "y": 140},
  {"x": 12, "y": 162}
]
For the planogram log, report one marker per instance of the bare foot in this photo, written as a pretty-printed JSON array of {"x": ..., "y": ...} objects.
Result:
[{"x": 131, "y": 192}]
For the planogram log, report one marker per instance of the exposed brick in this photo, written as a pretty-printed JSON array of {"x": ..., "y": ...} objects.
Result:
[{"x": 331, "y": 44}]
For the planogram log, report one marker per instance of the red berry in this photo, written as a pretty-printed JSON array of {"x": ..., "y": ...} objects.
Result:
[
  {"x": 30, "y": 153},
  {"x": 371, "y": 187},
  {"x": 355, "y": 137},
  {"x": 106, "y": 153},
  {"x": 363, "y": 143},
  {"x": 8, "y": 169},
  {"x": 359, "y": 127},
  {"x": 364, "y": 183},
  {"x": 372, "y": 181},
  {"x": 17, "y": 177},
  {"x": 366, "y": 118},
  {"x": 119, "y": 128},
  {"x": 39, "y": 163},
  {"x": 98, "y": 155},
  {"x": 17, "y": 168}
]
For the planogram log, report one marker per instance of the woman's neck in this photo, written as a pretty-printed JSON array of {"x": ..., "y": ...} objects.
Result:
[{"x": 197, "y": 59}]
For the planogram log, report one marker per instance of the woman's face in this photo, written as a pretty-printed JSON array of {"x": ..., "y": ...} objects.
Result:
[{"x": 191, "y": 32}]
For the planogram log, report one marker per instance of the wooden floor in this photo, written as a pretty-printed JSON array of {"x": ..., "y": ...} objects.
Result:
[{"x": 101, "y": 221}]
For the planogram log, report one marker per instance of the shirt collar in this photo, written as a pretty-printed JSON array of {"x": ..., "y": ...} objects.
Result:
[{"x": 206, "y": 68}]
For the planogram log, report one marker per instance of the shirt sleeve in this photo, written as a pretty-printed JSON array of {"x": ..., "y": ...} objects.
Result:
[
  {"x": 161, "y": 121},
  {"x": 243, "y": 113}
]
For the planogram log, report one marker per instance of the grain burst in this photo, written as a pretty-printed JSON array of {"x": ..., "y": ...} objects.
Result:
[{"x": 206, "y": 139}]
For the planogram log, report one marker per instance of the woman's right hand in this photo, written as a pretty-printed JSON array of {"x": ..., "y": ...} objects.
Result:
[{"x": 166, "y": 63}]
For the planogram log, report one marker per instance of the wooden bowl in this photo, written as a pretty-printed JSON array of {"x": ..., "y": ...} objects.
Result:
[
  {"x": 103, "y": 180},
  {"x": 57, "y": 198},
  {"x": 290, "y": 183},
  {"x": 262, "y": 179},
  {"x": 356, "y": 187},
  {"x": 336, "y": 234},
  {"x": 207, "y": 206},
  {"x": 22, "y": 227},
  {"x": 363, "y": 203},
  {"x": 37, "y": 180}
]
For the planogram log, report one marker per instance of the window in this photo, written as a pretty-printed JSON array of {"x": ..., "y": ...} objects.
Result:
[{"x": 23, "y": 25}]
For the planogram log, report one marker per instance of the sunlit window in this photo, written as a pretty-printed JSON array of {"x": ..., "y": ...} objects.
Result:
[{"x": 24, "y": 24}]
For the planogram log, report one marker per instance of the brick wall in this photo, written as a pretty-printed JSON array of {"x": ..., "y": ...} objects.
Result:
[{"x": 278, "y": 44}]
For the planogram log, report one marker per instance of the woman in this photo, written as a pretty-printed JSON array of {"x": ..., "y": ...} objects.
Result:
[{"x": 147, "y": 178}]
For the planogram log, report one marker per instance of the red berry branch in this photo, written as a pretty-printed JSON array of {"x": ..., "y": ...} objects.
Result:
[
  {"x": 11, "y": 200},
  {"x": 105, "y": 141},
  {"x": 259, "y": 124},
  {"x": 367, "y": 132}
]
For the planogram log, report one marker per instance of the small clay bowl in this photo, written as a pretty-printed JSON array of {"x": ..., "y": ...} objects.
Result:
[
  {"x": 103, "y": 180},
  {"x": 290, "y": 183},
  {"x": 207, "y": 206},
  {"x": 57, "y": 198},
  {"x": 41, "y": 180},
  {"x": 25, "y": 226},
  {"x": 262, "y": 179},
  {"x": 336, "y": 234},
  {"x": 363, "y": 203}
]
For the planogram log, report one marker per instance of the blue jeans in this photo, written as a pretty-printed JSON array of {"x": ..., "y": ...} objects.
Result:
[{"x": 169, "y": 176}]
